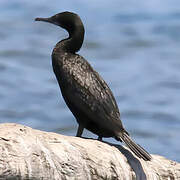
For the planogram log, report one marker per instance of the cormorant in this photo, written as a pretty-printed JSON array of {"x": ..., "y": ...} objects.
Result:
[{"x": 86, "y": 94}]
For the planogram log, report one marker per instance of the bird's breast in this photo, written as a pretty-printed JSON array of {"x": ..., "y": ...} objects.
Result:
[{"x": 71, "y": 71}]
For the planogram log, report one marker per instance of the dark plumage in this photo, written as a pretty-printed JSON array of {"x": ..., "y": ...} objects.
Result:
[{"x": 86, "y": 94}]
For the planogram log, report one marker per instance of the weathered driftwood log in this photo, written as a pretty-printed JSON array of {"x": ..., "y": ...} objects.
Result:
[{"x": 26, "y": 153}]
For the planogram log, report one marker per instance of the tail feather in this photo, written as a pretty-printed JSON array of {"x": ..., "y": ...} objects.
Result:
[{"x": 135, "y": 148}]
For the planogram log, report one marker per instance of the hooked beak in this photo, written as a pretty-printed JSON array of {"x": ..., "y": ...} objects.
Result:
[
  {"x": 51, "y": 20},
  {"x": 44, "y": 19}
]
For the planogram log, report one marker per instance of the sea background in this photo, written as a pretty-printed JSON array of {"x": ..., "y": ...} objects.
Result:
[{"x": 134, "y": 45}]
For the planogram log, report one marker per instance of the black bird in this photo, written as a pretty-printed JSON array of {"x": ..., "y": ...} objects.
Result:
[{"x": 86, "y": 94}]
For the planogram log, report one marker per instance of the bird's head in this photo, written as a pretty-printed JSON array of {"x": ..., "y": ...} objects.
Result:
[{"x": 67, "y": 20}]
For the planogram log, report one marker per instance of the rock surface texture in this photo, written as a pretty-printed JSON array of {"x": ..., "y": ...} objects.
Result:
[{"x": 26, "y": 153}]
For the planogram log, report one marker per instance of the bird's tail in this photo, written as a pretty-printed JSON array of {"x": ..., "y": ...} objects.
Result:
[{"x": 135, "y": 148}]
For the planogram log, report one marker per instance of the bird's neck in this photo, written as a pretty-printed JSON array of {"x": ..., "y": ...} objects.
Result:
[{"x": 73, "y": 43}]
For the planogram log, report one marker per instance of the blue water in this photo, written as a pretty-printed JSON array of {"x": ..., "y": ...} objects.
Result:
[{"x": 134, "y": 45}]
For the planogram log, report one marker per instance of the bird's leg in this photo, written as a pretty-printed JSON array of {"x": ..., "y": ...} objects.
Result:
[
  {"x": 79, "y": 131},
  {"x": 100, "y": 138}
]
